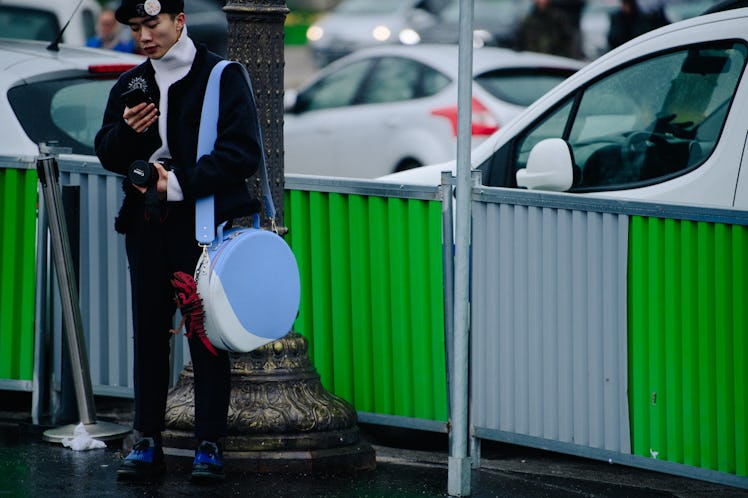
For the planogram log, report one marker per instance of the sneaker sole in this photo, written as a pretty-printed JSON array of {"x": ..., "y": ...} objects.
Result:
[
  {"x": 206, "y": 477},
  {"x": 134, "y": 474}
]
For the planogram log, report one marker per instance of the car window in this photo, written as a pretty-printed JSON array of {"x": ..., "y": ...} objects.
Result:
[
  {"x": 65, "y": 112},
  {"x": 521, "y": 86},
  {"x": 656, "y": 118},
  {"x": 337, "y": 89},
  {"x": 31, "y": 24},
  {"x": 396, "y": 79}
]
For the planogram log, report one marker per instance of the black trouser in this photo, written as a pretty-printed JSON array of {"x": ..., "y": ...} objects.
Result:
[{"x": 157, "y": 248}]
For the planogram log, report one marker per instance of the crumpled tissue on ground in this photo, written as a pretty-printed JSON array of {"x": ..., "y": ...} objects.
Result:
[{"x": 81, "y": 440}]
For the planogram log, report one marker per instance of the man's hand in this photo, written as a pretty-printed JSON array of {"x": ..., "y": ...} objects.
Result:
[
  {"x": 140, "y": 117},
  {"x": 161, "y": 183}
]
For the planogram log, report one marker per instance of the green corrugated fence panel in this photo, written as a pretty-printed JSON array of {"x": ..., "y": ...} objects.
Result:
[
  {"x": 688, "y": 334},
  {"x": 17, "y": 281},
  {"x": 372, "y": 302}
]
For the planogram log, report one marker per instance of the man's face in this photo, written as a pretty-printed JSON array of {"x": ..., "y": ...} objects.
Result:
[
  {"x": 107, "y": 24},
  {"x": 157, "y": 34}
]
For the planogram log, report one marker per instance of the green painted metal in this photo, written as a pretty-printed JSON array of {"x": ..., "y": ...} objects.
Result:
[
  {"x": 372, "y": 300},
  {"x": 688, "y": 342},
  {"x": 18, "y": 197}
]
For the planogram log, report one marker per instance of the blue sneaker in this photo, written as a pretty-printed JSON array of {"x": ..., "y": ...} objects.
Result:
[
  {"x": 208, "y": 463},
  {"x": 145, "y": 460}
]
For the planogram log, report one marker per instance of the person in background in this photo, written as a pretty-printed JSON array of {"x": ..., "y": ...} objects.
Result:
[
  {"x": 634, "y": 18},
  {"x": 109, "y": 34},
  {"x": 625, "y": 24},
  {"x": 653, "y": 14},
  {"x": 573, "y": 9},
  {"x": 549, "y": 29}
]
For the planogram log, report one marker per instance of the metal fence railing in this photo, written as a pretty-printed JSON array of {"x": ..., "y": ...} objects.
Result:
[
  {"x": 603, "y": 328},
  {"x": 613, "y": 330}
]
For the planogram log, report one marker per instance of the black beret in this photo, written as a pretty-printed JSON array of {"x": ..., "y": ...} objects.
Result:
[{"x": 146, "y": 8}]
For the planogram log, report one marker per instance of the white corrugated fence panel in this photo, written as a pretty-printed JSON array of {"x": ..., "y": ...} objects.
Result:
[{"x": 548, "y": 332}]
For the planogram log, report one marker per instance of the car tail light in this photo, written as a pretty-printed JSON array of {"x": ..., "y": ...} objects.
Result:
[
  {"x": 109, "y": 68},
  {"x": 483, "y": 122}
]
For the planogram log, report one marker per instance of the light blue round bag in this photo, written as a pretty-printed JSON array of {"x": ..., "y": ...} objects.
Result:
[{"x": 247, "y": 278}]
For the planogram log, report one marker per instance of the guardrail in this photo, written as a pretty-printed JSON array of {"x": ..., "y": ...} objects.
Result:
[
  {"x": 603, "y": 328},
  {"x": 372, "y": 296},
  {"x": 370, "y": 258},
  {"x": 613, "y": 330}
]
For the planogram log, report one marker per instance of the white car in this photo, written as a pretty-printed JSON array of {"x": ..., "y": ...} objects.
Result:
[
  {"x": 355, "y": 24},
  {"x": 392, "y": 108},
  {"x": 661, "y": 119},
  {"x": 43, "y": 19},
  {"x": 54, "y": 97}
]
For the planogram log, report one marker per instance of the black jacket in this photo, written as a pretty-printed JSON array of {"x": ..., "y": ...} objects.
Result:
[{"x": 237, "y": 152}]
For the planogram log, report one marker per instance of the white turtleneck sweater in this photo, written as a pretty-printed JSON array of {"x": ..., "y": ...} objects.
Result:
[{"x": 172, "y": 67}]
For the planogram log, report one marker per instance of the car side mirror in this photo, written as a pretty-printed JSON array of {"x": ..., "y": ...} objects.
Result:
[
  {"x": 550, "y": 166},
  {"x": 289, "y": 100}
]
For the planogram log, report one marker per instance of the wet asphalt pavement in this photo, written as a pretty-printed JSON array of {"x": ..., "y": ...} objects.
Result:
[{"x": 30, "y": 467}]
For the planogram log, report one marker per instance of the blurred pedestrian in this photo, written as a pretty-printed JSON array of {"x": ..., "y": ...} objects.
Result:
[
  {"x": 653, "y": 14},
  {"x": 573, "y": 10},
  {"x": 631, "y": 20},
  {"x": 109, "y": 33},
  {"x": 625, "y": 24},
  {"x": 549, "y": 29}
]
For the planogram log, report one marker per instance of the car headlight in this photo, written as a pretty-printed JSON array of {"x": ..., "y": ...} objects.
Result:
[
  {"x": 314, "y": 33},
  {"x": 409, "y": 36},
  {"x": 381, "y": 33}
]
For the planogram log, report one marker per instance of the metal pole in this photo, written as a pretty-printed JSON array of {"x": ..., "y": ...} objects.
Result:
[
  {"x": 459, "y": 462},
  {"x": 446, "y": 192},
  {"x": 48, "y": 176},
  {"x": 38, "y": 382}
]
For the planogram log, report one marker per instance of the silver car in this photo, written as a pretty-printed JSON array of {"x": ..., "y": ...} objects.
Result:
[
  {"x": 392, "y": 108},
  {"x": 356, "y": 24}
]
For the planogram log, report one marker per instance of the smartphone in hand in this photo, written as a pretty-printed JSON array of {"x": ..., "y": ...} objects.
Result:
[{"x": 134, "y": 97}]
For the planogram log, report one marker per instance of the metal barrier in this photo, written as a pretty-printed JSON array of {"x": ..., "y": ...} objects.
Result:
[
  {"x": 372, "y": 295},
  {"x": 612, "y": 330},
  {"x": 603, "y": 328},
  {"x": 18, "y": 187}
]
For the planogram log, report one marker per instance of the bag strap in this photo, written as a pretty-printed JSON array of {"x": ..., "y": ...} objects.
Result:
[{"x": 205, "y": 230}]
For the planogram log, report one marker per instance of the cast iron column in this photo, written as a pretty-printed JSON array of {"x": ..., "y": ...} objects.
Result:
[
  {"x": 280, "y": 415},
  {"x": 256, "y": 40}
]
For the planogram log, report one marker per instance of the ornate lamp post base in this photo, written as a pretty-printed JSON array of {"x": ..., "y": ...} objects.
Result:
[{"x": 281, "y": 418}]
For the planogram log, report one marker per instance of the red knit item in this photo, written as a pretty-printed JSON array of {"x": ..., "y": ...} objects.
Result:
[{"x": 191, "y": 306}]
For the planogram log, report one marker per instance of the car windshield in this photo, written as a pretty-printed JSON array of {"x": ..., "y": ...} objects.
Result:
[
  {"x": 521, "y": 86},
  {"x": 31, "y": 24},
  {"x": 65, "y": 112}
]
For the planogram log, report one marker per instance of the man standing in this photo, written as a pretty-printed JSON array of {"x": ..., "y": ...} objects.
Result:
[{"x": 159, "y": 220}]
